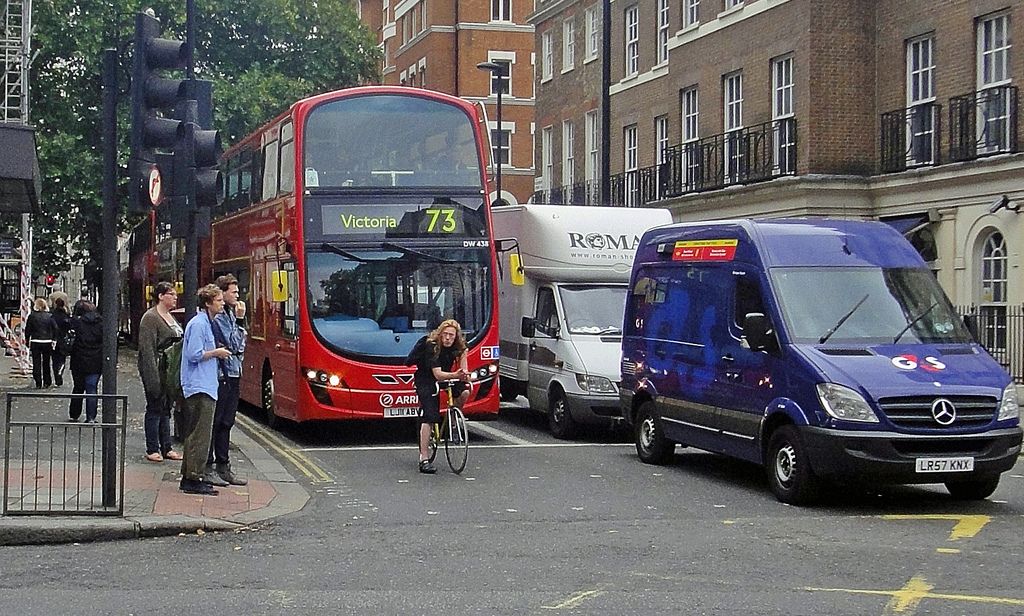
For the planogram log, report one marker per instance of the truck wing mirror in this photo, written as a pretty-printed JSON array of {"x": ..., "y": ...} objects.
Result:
[
  {"x": 971, "y": 323},
  {"x": 515, "y": 260},
  {"x": 529, "y": 327},
  {"x": 757, "y": 329}
]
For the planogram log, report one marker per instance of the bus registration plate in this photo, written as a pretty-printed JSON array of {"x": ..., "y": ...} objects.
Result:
[
  {"x": 410, "y": 411},
  {"x": 945, "y": 465}
]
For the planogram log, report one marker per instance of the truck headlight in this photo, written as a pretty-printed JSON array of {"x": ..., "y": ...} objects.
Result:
[
  {"x": 596, "y": 384},
  {"x": 1009, "y": 408},
  {"x": 844, "y": 403}
]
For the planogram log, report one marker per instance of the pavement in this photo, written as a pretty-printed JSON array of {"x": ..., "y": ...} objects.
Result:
[{"x": 67, "y": 477}]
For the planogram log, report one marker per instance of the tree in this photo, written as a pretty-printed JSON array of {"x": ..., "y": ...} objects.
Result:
[{"x": 261, "y": 55}]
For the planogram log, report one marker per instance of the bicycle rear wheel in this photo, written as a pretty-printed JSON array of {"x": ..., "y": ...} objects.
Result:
[
  {"x": 456, "y": 446},
  {"x": 432, "y": 443}
]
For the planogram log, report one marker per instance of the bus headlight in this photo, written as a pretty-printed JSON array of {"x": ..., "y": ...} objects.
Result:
[
  {"x": 844, "y": 403},
  {"x": 323, "y": 378},
  {"x": 595, "y": 384},
  {"x": 1009, "y": 408}
]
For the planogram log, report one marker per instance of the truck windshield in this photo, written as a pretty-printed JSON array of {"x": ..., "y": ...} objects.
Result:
[
  {"x": 375, "y": 303},
  {"x": 593, "y": 309},
  {"x": 903, "y": 305}
]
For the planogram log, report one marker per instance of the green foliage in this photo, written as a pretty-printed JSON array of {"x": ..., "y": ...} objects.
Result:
[{"x": 262, "y": 55}]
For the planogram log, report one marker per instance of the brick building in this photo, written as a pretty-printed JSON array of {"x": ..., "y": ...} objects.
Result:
[
  {"x": 899, "y": 110},
  {"x": 437, "y": 44}
]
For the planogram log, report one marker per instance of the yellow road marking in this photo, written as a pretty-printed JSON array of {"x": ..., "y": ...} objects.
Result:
[
  {"x": 917, "y": 589},
  {"x": 574, "y": 600},
  {"x": 299, "y": 460},
  {"x": 966, "y": 526},
  {"x": 947, "y": 550}
]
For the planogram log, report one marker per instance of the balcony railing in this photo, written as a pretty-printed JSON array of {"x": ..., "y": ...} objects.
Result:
[
  {"x": 910, "y": 137},
  {"x": 637, "y": 187},
  {"x": 751, "y": 154},
  {"x": 587, "y": 192},
  {"x": 983, "y": 123}
]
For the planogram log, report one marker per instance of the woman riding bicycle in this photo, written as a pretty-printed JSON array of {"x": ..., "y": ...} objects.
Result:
[{"x": 435, "y": 356}]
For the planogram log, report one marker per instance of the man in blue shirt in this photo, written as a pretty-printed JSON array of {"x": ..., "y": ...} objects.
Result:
[
  {"x": 199, "y": 358},
  {"x": 229, "y": 334}
]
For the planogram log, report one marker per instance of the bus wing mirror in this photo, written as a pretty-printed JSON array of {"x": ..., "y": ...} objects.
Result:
[
  {"x": 971, "y": 323},
  {"x": 758, "y": 331},
  {"x": 529, "y": 327},
  {"x": 279, "y": 285}
]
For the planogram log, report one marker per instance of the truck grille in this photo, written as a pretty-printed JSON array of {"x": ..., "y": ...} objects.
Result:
[{"x": 915, "y": 412}]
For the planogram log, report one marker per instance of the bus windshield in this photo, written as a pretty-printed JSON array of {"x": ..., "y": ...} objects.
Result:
[
  {"x": 866, "y": 306},
  {"x": 375, "y": 303},
  {"x": 390, "y": 141}
]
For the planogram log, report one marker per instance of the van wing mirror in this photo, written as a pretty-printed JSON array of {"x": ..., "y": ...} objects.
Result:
[
  {"x": 529, "y": 327},
  {"x": 757, "y": 329},
  {"x": 971, "y": 323},
  {"x": 515, "y": 260}
]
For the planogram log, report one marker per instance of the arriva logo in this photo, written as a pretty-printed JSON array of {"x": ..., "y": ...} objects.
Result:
[
  {"x": 603, "y": 241},
  {"x": 351, "y": 221}
]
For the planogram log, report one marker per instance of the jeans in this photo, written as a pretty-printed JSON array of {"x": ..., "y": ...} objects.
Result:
[
  {"x": 223, "y": 420},
  {"x": 41, "y": 363},
  {"x": 84, "y": 383},
  {"x": 198, "y": 414},
  {"x": 158, "y": 425}
]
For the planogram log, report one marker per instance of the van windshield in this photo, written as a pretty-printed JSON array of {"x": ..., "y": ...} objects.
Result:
[
  {"x": 865, "y": 306},
  {"x": 593, "y": 309}
]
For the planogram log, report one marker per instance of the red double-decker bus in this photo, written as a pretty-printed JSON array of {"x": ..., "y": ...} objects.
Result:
[{"x": 355, "y": 222}]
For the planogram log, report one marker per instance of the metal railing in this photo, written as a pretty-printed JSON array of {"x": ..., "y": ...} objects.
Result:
[
  {"x": 587, "y": 192},
  {"x": 1000, "y": 330},
  {"x": 983, "y": 123},
  {"x": 910, "y": 137},
  {"x": 62, "y": 467}
]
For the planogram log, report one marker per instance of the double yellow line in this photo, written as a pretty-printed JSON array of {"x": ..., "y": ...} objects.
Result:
[{"x": 299, "y": 460}]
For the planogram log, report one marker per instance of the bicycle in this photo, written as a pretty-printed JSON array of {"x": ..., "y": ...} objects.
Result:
[{"x": 452, "y": 431}]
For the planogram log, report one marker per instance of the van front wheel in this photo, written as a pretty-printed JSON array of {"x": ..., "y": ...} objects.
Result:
[
  {"x": 789, "y": 472},
  {"x": 560, "y": 420},
  {"x": 973, "y": 489},
  {"x": 651, "y": 445}
]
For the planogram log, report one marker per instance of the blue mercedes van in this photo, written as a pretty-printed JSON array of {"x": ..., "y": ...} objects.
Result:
[{"x": 821, "y": 349}]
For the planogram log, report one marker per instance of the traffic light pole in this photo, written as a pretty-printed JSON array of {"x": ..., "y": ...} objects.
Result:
[
  {"x": 109, "y": 297},
  {"x": 190, "y": 114}
]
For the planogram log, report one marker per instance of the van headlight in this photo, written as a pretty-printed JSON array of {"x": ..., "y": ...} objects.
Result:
[
  {"x": 1009, "y": 408},
  {"x": 844, "y": 403},
  {"x": 596, "y": 384}
]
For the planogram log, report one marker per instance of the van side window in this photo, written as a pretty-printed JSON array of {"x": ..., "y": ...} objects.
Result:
[
  {"x": 547, "y": 316},
  {"x": 748, "y": 299}
]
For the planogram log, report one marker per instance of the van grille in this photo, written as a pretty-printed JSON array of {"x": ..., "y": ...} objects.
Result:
[{"x": 915, "y": 412}]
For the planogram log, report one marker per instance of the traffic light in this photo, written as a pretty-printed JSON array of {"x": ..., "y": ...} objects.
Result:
[
  {"x": 153, "y": 101},
  {"x": 196, "y": 152}
]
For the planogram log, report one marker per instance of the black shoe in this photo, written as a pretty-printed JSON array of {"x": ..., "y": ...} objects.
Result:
[
  {"x": 60, "y": 381},
  {"x": 191, "y": 486},
  {"x": 427, "y": 468},
  {"x": 72, "y": 419}
]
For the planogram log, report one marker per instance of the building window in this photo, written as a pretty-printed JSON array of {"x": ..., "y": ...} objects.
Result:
[
  {"x": 691, "y": 13},
  {"x": 386, "y": 4},
  {"x": 501, "y": 10},
  {"x": 630, "y": 165},
  {"x": 921, "y": 117},
  {"x": 568, "y": 44},
  {"x": 632, "y": 41},
  {"x": 504, "y": 80},
  {"x": 783, "y": 127},
  {"x": 662, "y": 31},
  {"x": 546, "y": 53},
  {"x": 660, "y": 149},
  {"x": 593, "y": 143},
  {"x": 993, "y": 294},
  {"x": 691, "y": 147},
  {"x": 993, "y": 115},
  {"x": 731, "y": 4},
  {"x": 545, "y": 158},
  {"x": 735, "y": 150},
  {"x": 593, "y": 19},
  {"x": 501, "y": 143},
  {"x": 568, "y": 153}
]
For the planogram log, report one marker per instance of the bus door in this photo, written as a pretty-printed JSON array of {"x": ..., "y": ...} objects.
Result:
[{"x": 284, "y": 352}]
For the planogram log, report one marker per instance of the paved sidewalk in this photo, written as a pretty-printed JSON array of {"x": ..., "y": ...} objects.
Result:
[{"x": 153, "y": 504}]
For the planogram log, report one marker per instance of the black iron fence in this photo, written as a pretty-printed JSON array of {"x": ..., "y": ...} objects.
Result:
[
  {"x": 910, "y": 137},
  {"x": 62, "y": 467},
  {"x": 587, "y": 192},
  {"x": 983, "y": 123},
  {"x": 1000, "y": 330}
]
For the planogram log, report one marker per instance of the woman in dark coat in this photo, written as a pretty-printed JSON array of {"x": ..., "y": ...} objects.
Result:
[
  {"x": 86, "y": 358},
  {"x": 41, "y": 333},
  {"x": 63, "y": 321}
]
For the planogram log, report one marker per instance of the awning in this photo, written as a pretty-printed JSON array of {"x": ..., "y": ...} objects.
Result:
[
  {"x": 909, "y": 223},
  {"x": 20, "y": 182}
]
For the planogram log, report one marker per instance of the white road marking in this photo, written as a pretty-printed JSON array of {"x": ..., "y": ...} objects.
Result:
[
  {"x": 495, "y": 432},
  {"x": 471, "y": 446}
]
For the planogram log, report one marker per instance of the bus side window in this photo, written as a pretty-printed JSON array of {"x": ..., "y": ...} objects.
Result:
[
  {"x": 287, "y": 182},
  {"x": 289, "y": 309},
  {"x": 270, "y": 171}
]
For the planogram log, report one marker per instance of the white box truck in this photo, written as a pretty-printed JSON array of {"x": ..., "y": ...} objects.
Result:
[{"x": 562, "y": 293}]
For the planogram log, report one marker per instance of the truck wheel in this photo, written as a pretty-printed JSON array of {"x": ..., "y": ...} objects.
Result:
[
  {"x": 651, "y": 445},
  {"x": 978, "y": 488},
  {"x": 789, "y": 472},
  {"x": 560, "y": 420}
]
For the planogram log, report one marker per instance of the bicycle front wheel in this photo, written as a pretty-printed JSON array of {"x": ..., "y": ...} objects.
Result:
[{"x": 456, "y": 446}]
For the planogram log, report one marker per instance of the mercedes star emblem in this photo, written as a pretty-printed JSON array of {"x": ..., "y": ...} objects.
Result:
[{"x": 943, "y": 411}]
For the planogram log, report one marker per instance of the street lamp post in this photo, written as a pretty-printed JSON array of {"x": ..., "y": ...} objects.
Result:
[{"x": 498, "y": 70}]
